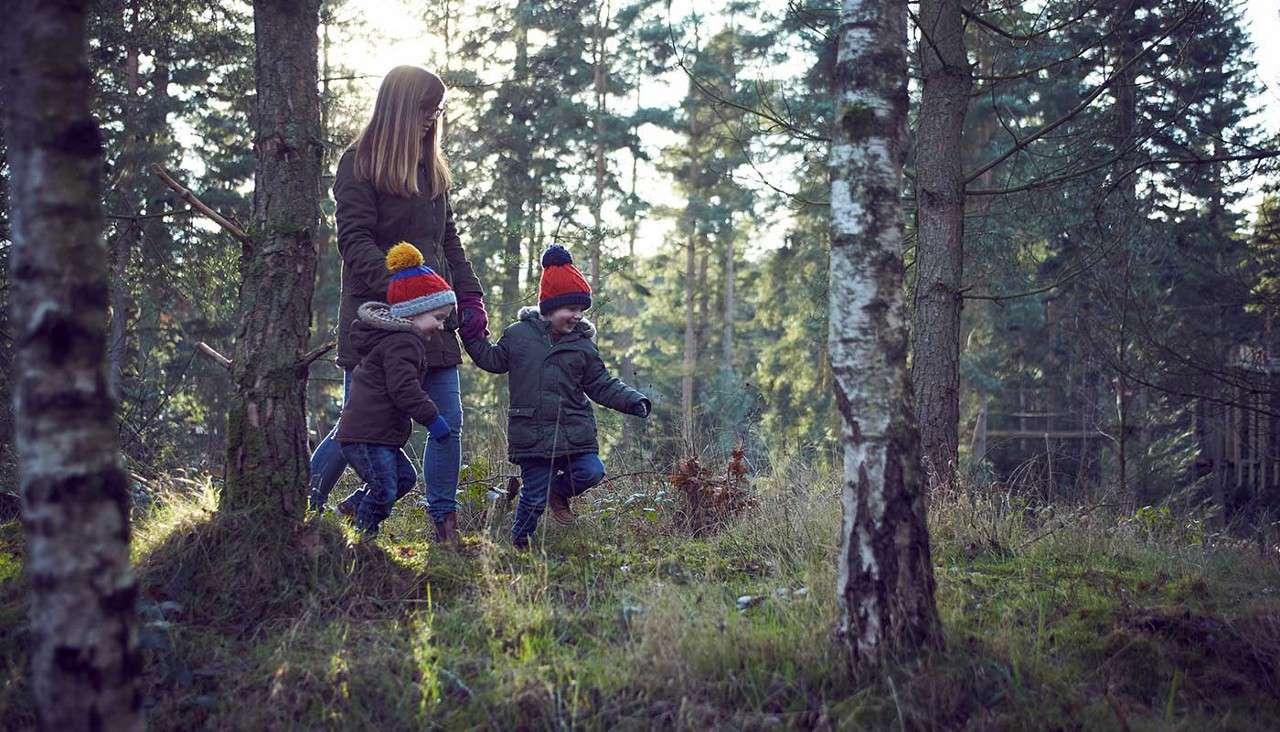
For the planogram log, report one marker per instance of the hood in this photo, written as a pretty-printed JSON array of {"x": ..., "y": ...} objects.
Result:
[
  {"x": 585, "y": 328},
  {"x": 374, "y": 322}
]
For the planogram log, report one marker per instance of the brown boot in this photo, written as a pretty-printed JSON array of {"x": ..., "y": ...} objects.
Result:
[
  {"x": 447, "y": 530},
  {"x": 513, "y": 488},
  {"x": 561, "y": 511}
]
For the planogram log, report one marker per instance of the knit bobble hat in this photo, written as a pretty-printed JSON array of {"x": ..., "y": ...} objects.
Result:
[
  {"x": 562, "y": 284},
  {"x": 414, "y": 288}
]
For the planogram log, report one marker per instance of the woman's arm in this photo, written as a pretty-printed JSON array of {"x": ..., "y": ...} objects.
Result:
[
  {"x": 357, "y": 214},
  {"x": 463, "y": 274}
]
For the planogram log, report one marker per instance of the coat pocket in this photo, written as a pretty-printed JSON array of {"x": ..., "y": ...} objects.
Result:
[
  {"x": 580, "y": 431},
  {"x": 522, "y": 428}
]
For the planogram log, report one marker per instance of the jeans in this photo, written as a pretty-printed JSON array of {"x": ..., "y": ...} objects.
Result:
[
  {"x": 442, "y": 459},
  {"x": 569, "y": 475},
  {"x": 387, "y": 474}
]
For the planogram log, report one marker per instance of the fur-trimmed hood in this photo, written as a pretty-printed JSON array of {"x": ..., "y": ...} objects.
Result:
[
  {"x": 373, "y": 323},
  {"x": 585, "y": 327},
  {"x": 378, "y": 315}
]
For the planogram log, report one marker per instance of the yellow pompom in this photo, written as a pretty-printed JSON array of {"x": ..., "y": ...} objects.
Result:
[{"x": 403, "y": 256}]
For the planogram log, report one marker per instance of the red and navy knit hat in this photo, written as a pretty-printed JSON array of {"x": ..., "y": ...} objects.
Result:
[
  {"x": 414, "y": 288},
  {"x": 562, "y": 284}
]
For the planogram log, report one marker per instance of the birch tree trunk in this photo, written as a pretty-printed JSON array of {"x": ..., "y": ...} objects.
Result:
[
  {"x": 885, "y": 580},
  {"x": 935, "y": 366},
  {"x": 84, "y": 660},
  {"x": 267, "y": 455}
]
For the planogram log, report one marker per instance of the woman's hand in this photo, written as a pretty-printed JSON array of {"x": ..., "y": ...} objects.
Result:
[{"x": 473, "y": 319}]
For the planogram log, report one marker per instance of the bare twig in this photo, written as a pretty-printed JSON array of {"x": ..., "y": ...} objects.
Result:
[
  {"x": 196, "y": 203},
  {"x": 143, "y": 217},
  {"x": 310, "y": 356}
]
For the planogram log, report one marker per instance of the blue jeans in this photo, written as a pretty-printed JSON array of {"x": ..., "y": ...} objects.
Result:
[
  {"x": 569, "y": 475},
  {"x": 442, "y": 459},
  {"x": 387, "y": 474}
]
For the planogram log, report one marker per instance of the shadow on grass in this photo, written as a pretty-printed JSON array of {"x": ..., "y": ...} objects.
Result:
[{"x": 248, "y": 623}]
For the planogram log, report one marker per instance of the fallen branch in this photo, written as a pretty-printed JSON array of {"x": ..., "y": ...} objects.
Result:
[
  {"x": 218, "y": 358},
  {"x": 196, "y": 203}
]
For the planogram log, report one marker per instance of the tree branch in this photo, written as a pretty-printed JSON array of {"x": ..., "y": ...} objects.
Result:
[
  {"x": 196, "y": 203},
  {"x": 310, "y": 356},
  {"x": 144, "y": 217},
  {"x": 218, "y": 358}
]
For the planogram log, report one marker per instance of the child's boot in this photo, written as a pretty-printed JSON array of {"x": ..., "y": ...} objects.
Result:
[
  {"x": 561, "y": 511},
  {"x": 348, "y": 507},
  {"x": 447, "y": 529}
]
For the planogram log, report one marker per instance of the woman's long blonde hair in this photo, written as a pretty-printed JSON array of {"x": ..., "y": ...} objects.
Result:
[{"x": 392, "y": 144}]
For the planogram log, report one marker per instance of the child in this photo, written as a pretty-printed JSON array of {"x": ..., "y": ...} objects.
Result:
[
  {"x": 553, "y": 366},
  {"x": 386, "y": 387}
]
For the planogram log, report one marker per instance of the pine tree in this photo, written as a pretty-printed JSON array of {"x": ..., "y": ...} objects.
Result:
[{"x": 267, "y": 457}]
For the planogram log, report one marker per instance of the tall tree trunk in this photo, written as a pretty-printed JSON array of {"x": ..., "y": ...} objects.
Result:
[
  {"x": 126, "y": 238},
  {"x": 597, "y": 121},
  {"x": 935, "y": 365},
  {"x": 518, "y": 172},
  {"x": 84, "y": 660},
  {"x": 885, "y": 581},
  {"x": 690, "y": 335},
  {"x": 1124, "y": 212},
  {"x": 267, "y": 455},
  {"x": 730, "y": 273},
  {"x": 690, "y": 364},
  {"x": 625, "y": 329}
]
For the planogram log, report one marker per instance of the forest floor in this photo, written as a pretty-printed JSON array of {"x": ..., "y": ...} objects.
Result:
[{"x": 1054, "y": 618}]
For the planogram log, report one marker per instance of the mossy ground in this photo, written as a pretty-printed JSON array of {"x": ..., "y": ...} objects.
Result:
[{"x": 1069, "y": 622}]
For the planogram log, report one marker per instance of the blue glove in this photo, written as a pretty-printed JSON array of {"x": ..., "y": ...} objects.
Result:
[
  {"x": 439, "y": 429},
  {"x": 642, "y": 409}
]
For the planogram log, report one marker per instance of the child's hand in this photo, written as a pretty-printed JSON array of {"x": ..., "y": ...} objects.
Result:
[
  {"x": 439, "y": 429},
  {"x": 642, "y": 409}
]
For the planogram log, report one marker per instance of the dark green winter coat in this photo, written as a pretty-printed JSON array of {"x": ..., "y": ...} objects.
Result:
[
  {"x": 370, "y": 223},
  {"x": 549, "y": 383}
]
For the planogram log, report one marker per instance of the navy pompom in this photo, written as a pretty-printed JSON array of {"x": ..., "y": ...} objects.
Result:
[{"x": 555, "y": 255}]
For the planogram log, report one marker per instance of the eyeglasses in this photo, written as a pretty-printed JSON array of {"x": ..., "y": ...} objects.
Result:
[{"x": 434, "y": 114}]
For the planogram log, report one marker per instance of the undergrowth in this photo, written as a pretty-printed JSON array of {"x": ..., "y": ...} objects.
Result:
[{"x": 1055, "y": 618}]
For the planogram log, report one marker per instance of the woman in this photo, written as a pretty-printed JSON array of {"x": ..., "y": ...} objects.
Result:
[{"x": 392, "y": 185}]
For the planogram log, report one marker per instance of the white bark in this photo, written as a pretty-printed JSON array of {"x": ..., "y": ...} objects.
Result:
[
  {"x": 885, "y": 577},
  {"x": 84, "y": 660}
]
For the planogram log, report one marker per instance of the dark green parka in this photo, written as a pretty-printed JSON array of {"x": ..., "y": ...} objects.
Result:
[{"x": 549, "y": 383}]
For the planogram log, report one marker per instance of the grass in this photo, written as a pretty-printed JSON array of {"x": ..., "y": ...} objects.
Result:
[{"x": 1078, "y": 620}]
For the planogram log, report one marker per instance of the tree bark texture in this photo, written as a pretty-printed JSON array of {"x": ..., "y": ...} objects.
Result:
[
  {"x": 935, "y": 365},
  {"x": 267, "y": 455},
  {"x": 84, "y": 660},
  {"x": 885, "y": 581}
]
